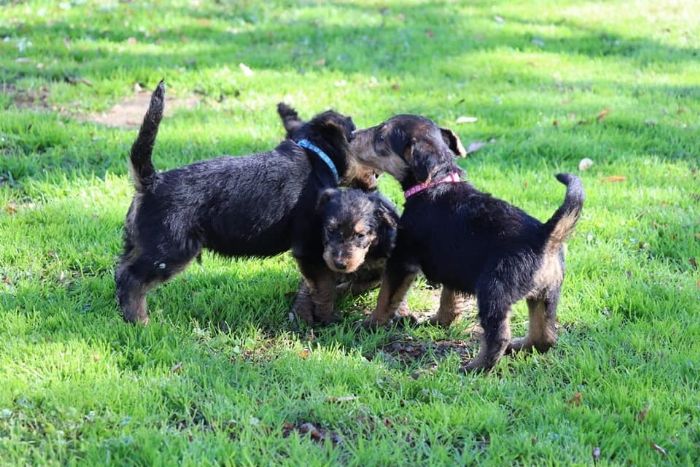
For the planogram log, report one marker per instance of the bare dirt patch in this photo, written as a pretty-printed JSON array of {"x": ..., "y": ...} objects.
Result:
[
  {"x": 35, "y": 99},
  {"x": 129, "y": 112}
]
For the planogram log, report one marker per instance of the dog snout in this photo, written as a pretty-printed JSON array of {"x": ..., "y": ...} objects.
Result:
[{"x": 339, "y": 263}]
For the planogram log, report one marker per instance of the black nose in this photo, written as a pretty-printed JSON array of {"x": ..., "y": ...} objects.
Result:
[{"x": 339, "y": 264}]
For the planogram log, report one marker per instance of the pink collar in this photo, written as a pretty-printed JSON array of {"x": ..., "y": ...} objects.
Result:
[{"x": 451, "y": 178}]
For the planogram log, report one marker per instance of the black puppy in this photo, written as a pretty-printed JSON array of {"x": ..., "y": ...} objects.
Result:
[
  {"x": 260, "y": 205},
  {"x": 467, "y": 240},
  {"x": 358, "y": 234}
]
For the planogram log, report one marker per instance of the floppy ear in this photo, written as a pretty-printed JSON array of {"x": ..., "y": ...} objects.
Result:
[
  {"x": 339, "y": 124},
  {"x": 290, "y": 118},
  {"x": 324, "y": 197},
  {"x": 453, "y": 141},
  {"x": 387, "y": 222}
]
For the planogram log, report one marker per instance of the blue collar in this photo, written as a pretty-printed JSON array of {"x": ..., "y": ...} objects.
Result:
[{"x": 306, "y": 144}]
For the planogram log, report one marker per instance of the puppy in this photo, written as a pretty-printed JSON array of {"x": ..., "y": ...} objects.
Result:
[
  {"x": 357, "y": 176},
  {"x": 358, "y": 234},
  {"x": 467, "y": 240},
  {"x": 260, "y": 205}
]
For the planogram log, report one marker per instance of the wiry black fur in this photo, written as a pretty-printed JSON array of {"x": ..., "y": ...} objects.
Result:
[
  {"x": 473, "y": 243},
  {"x": 259, "y": 205}
]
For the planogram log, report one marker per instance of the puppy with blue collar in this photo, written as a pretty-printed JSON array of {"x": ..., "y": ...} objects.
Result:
[{"x": 254, "y": 206}]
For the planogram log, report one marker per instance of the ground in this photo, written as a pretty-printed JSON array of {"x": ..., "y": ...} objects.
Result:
[{"x": 221, "y": 375}]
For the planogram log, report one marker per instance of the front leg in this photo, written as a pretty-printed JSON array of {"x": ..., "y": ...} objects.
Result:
[
  {"x": 395, "y": 284},
  {"x": 320, "y": 283}
]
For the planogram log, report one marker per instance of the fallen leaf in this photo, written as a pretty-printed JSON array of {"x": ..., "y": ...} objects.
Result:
[
  {"x": 395, "y": 86},
  {"x": 555, "y": 122},
  {"x": 576, "y": 399},
  {"x": 11, "y": 208},
  {"x": 585, "y": 164},
  {"x": 538, "y": 42},
  {"x": 475, "y": 146},
  {"x": 177, "y": 368},
  {"x": 596, "y": 454},
  {"x": 131, "y": 41},
  {"x": 499, "y": 19},
  {"x": 304, "y": 354},
  {"x": 659, "y": 449},
  {"x": 341, "y": 399},
  {"x": 320, "y": 62},
  {"x": 602, "y": 115},
  {"x": 340, "y": 83},
  {"x": 429, "y": 33},
  {"x": 614, "y": 178},
  {"x": 642, "y": 415},
  {"x": 245, "y": 69},
  {"x": 693, "y": 262},
  {"x": 465, "y": 119}
]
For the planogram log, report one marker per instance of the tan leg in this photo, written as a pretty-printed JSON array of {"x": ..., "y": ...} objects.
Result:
[
  {"x": 452, "y": 304},
  {"x": 303, "y": 306},
  {"x": 390, "y": 300},
  {"x": 323, "y": 297},
  {"x": 541, "y": 331}
]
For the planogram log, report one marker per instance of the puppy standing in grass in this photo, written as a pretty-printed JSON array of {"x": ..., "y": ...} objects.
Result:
[
  {"x": 467, "y": 240},
  {"x": 260, "y": 205}
]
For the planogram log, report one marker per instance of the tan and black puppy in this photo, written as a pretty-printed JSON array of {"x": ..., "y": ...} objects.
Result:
[
  {"x": 358, "y": 231},
  {"x": 259, "y": 205},
  {"x": 467, "y": 240}
]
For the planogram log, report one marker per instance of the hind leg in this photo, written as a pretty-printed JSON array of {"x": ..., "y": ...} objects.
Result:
[
  {"x": 139, "y": 272},
  {"x": 494, "y": 315},
  {"x": 541, "y": 332}
]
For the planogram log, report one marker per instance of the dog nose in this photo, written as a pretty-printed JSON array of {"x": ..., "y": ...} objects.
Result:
[{"x": 339, "y": 264}]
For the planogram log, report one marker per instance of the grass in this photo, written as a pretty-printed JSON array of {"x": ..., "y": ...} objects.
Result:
[{"x": 221, "y": 376}]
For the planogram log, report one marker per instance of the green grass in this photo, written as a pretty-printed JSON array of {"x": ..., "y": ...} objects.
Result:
[{"x": 221, "y": 375}]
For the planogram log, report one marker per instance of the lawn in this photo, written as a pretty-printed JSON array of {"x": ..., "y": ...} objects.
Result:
[{"x": 221, "y": 375}]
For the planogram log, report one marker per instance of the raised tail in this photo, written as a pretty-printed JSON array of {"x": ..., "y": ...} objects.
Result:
[
  {"x": 140, "y": 163},
  {"x": 290, "y": 118},
  {"x": 562, "y": 223}
]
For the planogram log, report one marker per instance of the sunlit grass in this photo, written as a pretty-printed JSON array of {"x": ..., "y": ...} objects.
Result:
[{"x": 220, "y": 372}]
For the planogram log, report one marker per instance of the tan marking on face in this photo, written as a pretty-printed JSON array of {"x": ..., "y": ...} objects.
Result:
[
  {"x": 359, "y": 175},
  {"x": 352, "y": 257},
  {"x": 360, "y": 227}
]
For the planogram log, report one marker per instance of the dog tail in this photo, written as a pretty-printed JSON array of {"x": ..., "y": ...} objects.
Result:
[
  {"x": 140, "y": 164},
  {"x": 562, "y": 223},
  {"x": 290, "y": 118}
]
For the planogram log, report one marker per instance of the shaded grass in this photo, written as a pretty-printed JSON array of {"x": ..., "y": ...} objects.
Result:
[{"x": 220, "y": 371}]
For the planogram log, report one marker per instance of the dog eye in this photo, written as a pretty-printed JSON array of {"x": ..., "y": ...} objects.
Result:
[{"x": 360, "y": 235}]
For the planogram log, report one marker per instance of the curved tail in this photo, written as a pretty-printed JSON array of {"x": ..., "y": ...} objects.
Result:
[
  {"x": 140, "y": 164},
  {"x": 562, "y": 223},
  {"x": 290, "y": 118}
]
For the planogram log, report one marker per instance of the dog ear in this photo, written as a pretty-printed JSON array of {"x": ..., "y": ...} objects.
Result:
[
  {"x": 338, "y": 124},
  {"x": 290, "y": 118},
  {"x": 324, "y": 197},
  {"x": 453, "y": 141},
  {"x": 387, "y": 222}
]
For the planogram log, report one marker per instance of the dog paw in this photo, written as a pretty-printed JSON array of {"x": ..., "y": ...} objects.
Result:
[
  {"x": 303, "y": 309},
  {"x": 435, "y": 321},
  {"x": 408, "y": 320}
]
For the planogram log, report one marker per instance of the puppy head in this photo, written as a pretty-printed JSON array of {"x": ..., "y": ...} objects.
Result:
[
  {"x": 353, "y": 222},
  {"x": 329, "y": 127},
  {"x": 357, "y": 175},
  {"x": 411, "y": 148}
]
